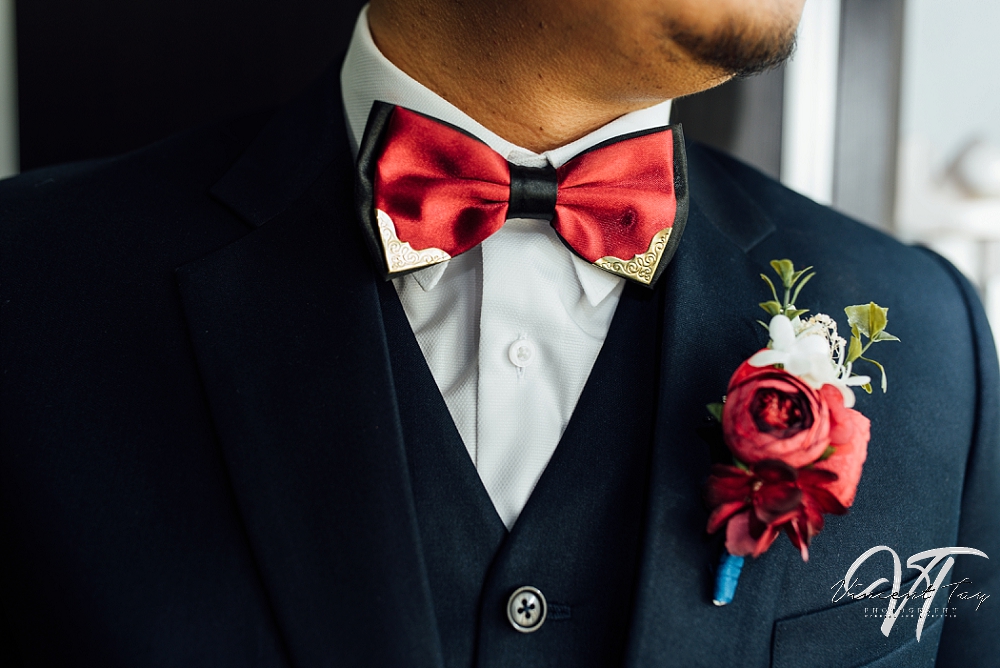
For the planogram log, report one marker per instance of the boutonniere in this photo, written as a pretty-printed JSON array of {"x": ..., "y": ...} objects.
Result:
[{"x": 797, "y": 444}]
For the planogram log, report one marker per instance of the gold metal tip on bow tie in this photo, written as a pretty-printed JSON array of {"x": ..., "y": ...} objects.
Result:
[
  {"x": 400, "y": 256},
  {"x": 642, "y": 267}
]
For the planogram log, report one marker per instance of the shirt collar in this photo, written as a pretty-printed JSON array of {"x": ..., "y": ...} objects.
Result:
[{"x": 368, "y": 76}]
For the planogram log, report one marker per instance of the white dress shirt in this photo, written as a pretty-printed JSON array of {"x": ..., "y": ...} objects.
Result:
[{"x": 510, "y": 329}]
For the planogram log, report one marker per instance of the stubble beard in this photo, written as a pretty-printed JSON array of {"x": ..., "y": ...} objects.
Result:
[{"x": 736, "y": 49}]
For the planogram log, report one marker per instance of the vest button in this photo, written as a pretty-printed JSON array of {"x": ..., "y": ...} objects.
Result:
[{"x": 526, "y": 609}]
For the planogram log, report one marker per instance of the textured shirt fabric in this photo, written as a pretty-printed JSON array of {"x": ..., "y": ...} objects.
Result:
[{"x": 510, "y": 329}]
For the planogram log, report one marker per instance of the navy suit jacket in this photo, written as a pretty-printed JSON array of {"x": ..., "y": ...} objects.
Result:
[{"x": 202, "y": 464}]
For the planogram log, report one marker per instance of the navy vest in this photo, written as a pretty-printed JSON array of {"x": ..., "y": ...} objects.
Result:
[{"x": 577, "y": 539}]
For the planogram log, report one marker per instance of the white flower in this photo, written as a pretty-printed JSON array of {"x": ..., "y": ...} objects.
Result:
[
  {"x": 806, "y": 355},
  {"x": 806, "y": 350}
]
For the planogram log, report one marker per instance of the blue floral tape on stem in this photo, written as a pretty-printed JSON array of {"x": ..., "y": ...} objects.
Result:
[{"x": 726, "y": 579}]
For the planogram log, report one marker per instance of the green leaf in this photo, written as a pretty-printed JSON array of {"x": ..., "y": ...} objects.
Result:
[
  {"x": 796, "y": 312},
  {"x": 764, "y": 325},
  {"x": 869, "y": 318},
  {"x": 740, "y": 465},
  {"x": 770, "y": 285},
  {"x": 785, "y": 269},
  {"x": 857, "y": 318},
  {"x": 885, "y": 381},
  {"x": 885, "y": 336},
  {"x": 827, "y": 453},
  {"x": 867, "y": 387},
  {"x": 798, "y": 288},
  {"x": 877, "y": 318},
  {"x": 716, "y": 410},
  {"x": 797, "y": 275},
  {"x": 773, "y": 308},
  {"x": 854, "y": 349}
]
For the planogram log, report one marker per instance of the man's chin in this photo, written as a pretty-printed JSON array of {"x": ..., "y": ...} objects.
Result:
[{"x": 737, "y": 50}]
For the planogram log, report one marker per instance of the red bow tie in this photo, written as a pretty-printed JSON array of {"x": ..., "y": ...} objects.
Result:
[{"x": 428, "y": 192}]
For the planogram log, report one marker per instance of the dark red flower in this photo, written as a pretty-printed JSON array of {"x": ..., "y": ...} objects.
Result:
[
  {"x": 756, "y": 504},
  {"x": 817, "y": 499}
]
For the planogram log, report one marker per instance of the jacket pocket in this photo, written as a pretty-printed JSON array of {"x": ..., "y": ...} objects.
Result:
[{"x": 850, "y": 636}]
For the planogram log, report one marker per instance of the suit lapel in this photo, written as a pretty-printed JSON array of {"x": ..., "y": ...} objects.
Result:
[
  {"x": 708, "y": 329},
  {"x": 289, "y": 338}
]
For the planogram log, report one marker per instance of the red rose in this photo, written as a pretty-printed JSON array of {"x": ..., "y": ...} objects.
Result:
[
  {"x": 771, "y": 414},
  {"x": 849, "y": 434},
  {"x": 780, "y": 427}
]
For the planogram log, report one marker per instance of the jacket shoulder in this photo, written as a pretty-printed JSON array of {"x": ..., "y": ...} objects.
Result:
[
  {"x": 107, "y": 191},
  {"x": 123, "y": 216},
  {"x": 813, "y": 233}
]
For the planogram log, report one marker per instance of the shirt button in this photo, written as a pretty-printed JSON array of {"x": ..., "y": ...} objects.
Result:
[
  {"x": 526, "y": 609},
  {"x": 521, "y": 352}
]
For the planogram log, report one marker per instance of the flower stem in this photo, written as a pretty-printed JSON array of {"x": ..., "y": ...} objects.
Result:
[{"x": 726, "y": 578}]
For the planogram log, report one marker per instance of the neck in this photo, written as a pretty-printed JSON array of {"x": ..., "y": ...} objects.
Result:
[{"x": 513, "y": 74}]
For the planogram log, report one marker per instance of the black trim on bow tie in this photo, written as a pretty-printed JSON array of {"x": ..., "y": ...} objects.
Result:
[{"x": 532, "y": 192}]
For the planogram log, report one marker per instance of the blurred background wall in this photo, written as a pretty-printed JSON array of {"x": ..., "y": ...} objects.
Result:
[
  {"x": 951, "y": 87},
  {"x": 889, "y": 110},
  {"x": 948, "y": 192}
]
